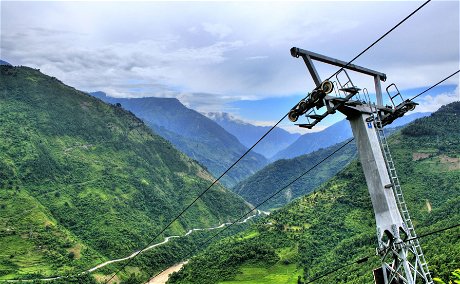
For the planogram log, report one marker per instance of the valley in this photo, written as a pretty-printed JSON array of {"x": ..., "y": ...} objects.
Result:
[
  {"x": 210, "y": 142},
  {"x": 334, "y": 225},
  {"x": 81, "y": 190},
  {"x": 84, "y": 182},
  {"x": 194, "y": 134}
]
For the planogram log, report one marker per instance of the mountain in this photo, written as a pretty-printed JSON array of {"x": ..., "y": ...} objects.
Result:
[
  {"x": 310, "y": 142},
  {"x": 82, "y": 181},
  {"x": 194, "y": 134},
  {"x": 259, "y": 186},
  {"x": 334, "y": 134},
  {"x": 4, "y": 63},
  {"x": 408, "y": 119},
  {"x": 249, "y": 134},
  {"x": 334, "y": 226}
]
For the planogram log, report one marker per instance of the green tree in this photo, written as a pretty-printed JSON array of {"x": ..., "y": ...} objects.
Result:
[{"x": 455, "y": 278}]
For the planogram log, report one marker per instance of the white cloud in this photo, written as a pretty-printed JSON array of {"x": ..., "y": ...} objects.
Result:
[
  {"x": 431, "y": 103},
  {"x": 232, "y": 50},
  {"x": 258, "y": 57},
  {"x": 218, "y": 30}
]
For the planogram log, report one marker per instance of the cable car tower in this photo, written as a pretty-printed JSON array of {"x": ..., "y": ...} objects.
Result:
[{"x": 402, "y": 258}]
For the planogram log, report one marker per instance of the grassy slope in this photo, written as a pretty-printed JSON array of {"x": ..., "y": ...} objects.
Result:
[
  {"x": 82, "y": 181},
  {"x": 335, "y": 224}
]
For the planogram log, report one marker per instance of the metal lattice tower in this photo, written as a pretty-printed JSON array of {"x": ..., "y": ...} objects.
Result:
[{"x": 402, "y": 257}]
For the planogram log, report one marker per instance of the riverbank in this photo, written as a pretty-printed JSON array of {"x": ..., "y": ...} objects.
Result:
[{"x": 164, "y": 276}]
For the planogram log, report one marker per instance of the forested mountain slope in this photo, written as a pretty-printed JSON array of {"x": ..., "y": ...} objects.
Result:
[
  {"x": 194, "y": 134},
  {"x": 270, "y": 179},
  {"x": 335, "y": 225},
  {"x": 82, "y": 181}
]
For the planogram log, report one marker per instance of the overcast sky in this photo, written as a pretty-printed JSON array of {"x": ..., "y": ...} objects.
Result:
[{"x": 223, "y": 56}]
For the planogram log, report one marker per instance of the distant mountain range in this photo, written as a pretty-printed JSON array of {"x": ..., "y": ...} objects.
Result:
[
  {"x": 248, "y": 134},
  {"x": 216, "y": 140},
  {"x": 194, "y": 134},
  {"x": 334, "y": 134},
  {"x": 310, "y": 142}
]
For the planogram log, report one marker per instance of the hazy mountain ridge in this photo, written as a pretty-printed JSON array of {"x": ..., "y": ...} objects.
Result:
[
  {"x": 259, "y": 186},
  {"x": 194, "y": 134},
  {"x": 310, "y": 142},
  {"x": 336, "y": 133},
  {"x": 248, "y": 134},
  {"x": 83, "y": 181}
]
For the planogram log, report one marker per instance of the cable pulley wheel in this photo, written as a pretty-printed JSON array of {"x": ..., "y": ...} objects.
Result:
[
  {"x": 302, "y": 106},
  {"x": 327, "y": 86},
  {"x": 293, "y": 116}
]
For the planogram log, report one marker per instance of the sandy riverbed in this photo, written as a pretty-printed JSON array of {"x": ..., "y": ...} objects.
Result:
[{"x": 163, "y": 276}]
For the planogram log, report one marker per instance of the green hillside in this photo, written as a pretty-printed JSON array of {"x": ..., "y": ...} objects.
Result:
[
  {"x": 82, "y": 181},
  {"x": 335, "y": 225},
  {"x": 260, "y": 186},
  {"x": 194, "y": 134}
]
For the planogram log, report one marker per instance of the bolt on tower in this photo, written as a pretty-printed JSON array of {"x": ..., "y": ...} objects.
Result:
[{"x": 402, "y": 258}]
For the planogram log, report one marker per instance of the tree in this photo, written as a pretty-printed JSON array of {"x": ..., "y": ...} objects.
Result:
[{"x": 454, "y": 280}]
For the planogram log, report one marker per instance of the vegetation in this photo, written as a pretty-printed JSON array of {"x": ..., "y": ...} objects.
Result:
[
  {"x": 270, "y": 179},
  {"x": 82, "y": 181},
  {"x": 335, "y": 225},
  {"x": 194, "y": 134},
  {"x": 455, "y": 278}
]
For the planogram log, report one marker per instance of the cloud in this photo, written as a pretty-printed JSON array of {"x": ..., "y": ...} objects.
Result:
[
  {"x": 134, "y": 69},
  {"x": 210, "y": 53},
  {"x": 257, "y": 57},
  {"x": 218, "y": 30},
  {"x": 205, "y": 102},
  {"x": 429, "y": 103}
]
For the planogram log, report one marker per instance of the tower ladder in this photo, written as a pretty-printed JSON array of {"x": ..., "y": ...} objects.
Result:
[{"x": 420, "y": 266}]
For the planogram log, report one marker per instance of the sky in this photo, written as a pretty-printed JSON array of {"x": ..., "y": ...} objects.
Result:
[{"x": 217, "y": 56}]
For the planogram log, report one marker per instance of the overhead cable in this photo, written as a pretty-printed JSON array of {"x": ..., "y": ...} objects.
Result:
[
  {"x": 195, "y": 200},
  {"x": 380, "y": 38},
  {"x": 274, "y": 194},
  {"x": 359, "y": 261},
  {"x": 271, "y": 129},
  {"x": 451, "y": 75}
]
